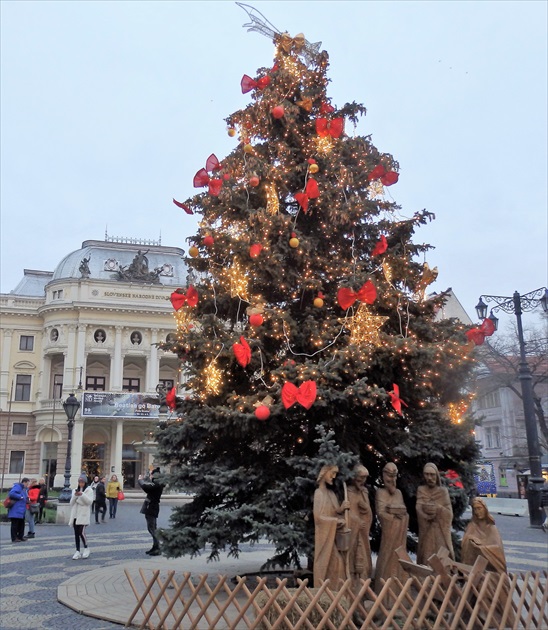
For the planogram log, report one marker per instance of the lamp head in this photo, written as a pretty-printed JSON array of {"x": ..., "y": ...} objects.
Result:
[
  {"x": 481, "y": 309},
  {"x": 71, "y": 406}
]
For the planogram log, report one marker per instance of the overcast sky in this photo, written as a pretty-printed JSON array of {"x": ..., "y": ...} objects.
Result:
[{"x": 109, "y": 108}]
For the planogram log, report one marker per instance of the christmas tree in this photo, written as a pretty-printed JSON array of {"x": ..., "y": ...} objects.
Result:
[{"x": 306, "y": 332}]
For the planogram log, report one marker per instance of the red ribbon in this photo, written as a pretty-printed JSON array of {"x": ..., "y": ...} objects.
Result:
[
  {"x": 305, "y": 394},
  {"x": 247, "y": 83},
  {"x": 477, "y": 335},
  {"x": 380, "y": 247},
  {"x": 333, "y": 128},
  {"x": 242, "y": 352},
  {"x": 387, "y": 177},
  {"x": 186, "y": 208},
  {"x": 395, "y": 399},
  {"x": 202, "y": 176},
  {"x": 311, "y": 192},
  {"x": 171, "y": 399},
  {"x": 346, "y": 297},
  {"x": 178, "y": 298}
]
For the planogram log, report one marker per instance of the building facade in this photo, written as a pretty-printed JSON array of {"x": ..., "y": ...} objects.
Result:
[{"x": 90, "y": 327}]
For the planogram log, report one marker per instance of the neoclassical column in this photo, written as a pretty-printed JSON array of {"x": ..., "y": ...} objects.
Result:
[
  {"x": 117, "y": 362},
  {"x": 69, "y": 381},
  {"x": 5, "y": 369},
  {"x": 117, "y": 445},
  {"x": 45, "y": 379},
  {"x": 77, "y": 449},
  {"x": 153, "y": 363},
  {"x": 81, "y": 353}
]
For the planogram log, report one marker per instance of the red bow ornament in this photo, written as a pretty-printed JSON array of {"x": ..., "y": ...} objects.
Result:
[
  {"x": 346, "y": 297},
  {"x": 395, "y": 399},
  {"x": 387, "y": 177},
  {"x": 477, "y": 335},
  {"x": 247, "y": 83},
  {"x": 311, "y": 192},
  {"x": 186, "y": 208},
  {"x": 242, "y": 352},
  {"x": 333, "y": 128},
  {"x": 171, "y": 399},
  {"x": 326, "y": 108},
  {"x": 202, "y": 176},
  {"x": 380, "y": 247},
  {"x": 178, "y": 298},
  {"x": 305, "y": 394}
]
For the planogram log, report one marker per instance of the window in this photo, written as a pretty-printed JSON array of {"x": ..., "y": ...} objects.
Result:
[
  {"x": 490, "y": 400},
  {"x": 17, "y": 460},
  {"x": 95, "y": 383},
  {"x": 492, "y": 437},
  {"x": 57, "y": 386},
  {"x": 58, "y": 295},
  {"x": 19, "y": 428},
  {"x": 22, "y": 387},
  {"x": 26, "y": 342},
  {"x": 168, "y": 383},
  {"x": 131, "y": 384}
]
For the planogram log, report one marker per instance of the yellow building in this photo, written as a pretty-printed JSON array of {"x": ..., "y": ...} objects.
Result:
[{"x": 90, "y": 328}]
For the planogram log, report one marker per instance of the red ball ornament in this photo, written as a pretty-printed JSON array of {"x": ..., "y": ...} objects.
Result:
[
  {"x": 226, "y": 176},
  {"x": 208, "y": 240},
  {"x": 311, "y": 161},
  {"x": 254, "y": 181},
  {"x": 277, "y": 112},
  {"x": 256, "y": 319},
  {"x": 262, "y": 412},
  {"x": 255, "y": 250}
]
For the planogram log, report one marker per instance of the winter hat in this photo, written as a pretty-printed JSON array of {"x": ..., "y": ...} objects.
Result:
[{"x": 82, "y": 478}]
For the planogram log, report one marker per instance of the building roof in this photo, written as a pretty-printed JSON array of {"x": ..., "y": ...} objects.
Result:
[{"x": 33, "y": 283}]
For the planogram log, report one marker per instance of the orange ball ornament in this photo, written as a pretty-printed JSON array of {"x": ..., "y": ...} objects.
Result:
[
  {"x": 254, "y": 181},
  {"x": 262, "y": 413},
  {"x": 277, "y": 112},
  {"x": 231, "y": 132},
  {"x": 256, "y": 320},
  {"x": 318, "y": 302},
  {"x": 313, "y": 168},
  {"x": 248, "y": 148},
  {"x": 294, "y": 241},
  {"x": 194, "y": 251},
  {"x": 208, "y": 240}
]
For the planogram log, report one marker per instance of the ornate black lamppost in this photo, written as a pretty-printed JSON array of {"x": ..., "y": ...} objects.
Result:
[
  {"x": 516, "y": 305},
  {"x": 71, "y": 406}
]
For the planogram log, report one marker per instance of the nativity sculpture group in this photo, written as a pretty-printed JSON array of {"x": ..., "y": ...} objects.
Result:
[{"x": 341, "y": 546}]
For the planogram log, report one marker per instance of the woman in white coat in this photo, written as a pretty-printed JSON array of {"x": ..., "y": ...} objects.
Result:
[{"x": 80, "y": 510}]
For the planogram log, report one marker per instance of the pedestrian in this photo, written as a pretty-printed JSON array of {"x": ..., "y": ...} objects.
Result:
[
  {"x": 113, "y": 488},
  {"x": 151, "y": 506},
  {"x": 93, "y": 486},
  {"x": 42, "y": 500},
  {"x": 100, "y": 500},
  {"x": 16, "y": 513},
  {"x": 32, "y": 506},
  {"x": 80, "y": 504},
  {"x": 544, "y": 506}
]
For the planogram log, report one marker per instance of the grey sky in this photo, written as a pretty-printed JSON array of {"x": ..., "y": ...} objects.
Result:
[{"x": 109, "y": 108}]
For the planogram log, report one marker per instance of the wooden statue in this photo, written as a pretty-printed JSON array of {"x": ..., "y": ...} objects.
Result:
[
  {"x": 434, "y": 514},
  {"x": 328, "y": 519},
  {"x": 360, "y": 519},
  {"x": 394, "y": 519},
  {"x": 482, "y": 538}
]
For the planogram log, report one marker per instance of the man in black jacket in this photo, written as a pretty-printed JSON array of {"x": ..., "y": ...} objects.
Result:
[
  {"x": 151, "y": 506},
  {"x": 100, "y": 500}
]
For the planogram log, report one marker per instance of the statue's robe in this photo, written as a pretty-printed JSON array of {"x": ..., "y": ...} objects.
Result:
[
  {"x": 394, "y": 535},
  {"x": 328, "y": 561},
  {"x": 434, "y": 534},
  {"x": 360, "y": 517}
]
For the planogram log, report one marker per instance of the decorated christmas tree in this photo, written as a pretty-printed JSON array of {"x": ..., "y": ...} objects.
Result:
[{"x": 306, "y": 332}]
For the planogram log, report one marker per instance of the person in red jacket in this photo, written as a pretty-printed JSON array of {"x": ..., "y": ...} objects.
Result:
[{"x": 33, "y": 507}]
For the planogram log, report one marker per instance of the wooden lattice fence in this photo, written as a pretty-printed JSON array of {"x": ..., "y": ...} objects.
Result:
[{"x": 492, "y": 601}]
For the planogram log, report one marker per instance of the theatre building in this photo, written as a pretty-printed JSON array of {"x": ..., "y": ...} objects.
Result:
[{"x": 90, "y": 327}]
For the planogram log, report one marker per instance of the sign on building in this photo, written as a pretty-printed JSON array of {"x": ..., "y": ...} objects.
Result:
[{"x": 118, "y": 405}]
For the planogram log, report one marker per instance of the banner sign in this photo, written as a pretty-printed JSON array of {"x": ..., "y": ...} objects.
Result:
[
  {"x": 485, "y": 478},
  {"x": 118, "y": 405}
]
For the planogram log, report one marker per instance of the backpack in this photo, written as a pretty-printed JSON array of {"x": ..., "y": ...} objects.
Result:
[{"x": 8, "y": 502}]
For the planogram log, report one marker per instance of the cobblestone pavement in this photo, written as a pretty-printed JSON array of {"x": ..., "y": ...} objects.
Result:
[{"x": 32, "y": 571}]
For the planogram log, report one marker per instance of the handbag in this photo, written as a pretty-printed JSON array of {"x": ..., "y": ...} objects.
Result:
[
  {"x": 8, "y": 502},
  {"x": 121, "y": 495},
  {"x": 34, "y": 508}
]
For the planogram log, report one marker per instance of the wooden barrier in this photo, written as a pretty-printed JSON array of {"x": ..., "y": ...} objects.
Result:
[{"x": 431, "y": 602}]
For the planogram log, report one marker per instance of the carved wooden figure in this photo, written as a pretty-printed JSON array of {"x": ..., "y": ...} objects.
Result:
[{"x": 360, "y": 519}]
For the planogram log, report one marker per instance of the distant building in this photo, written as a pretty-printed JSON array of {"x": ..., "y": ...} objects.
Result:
[{"x": 90, "y": 327}]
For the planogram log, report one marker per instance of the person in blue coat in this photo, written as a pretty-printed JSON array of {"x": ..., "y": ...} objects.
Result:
[{"x": 17, "y": 511}]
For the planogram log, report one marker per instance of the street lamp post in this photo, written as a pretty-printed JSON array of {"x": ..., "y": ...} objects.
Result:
[
  {"x": 516, "y": 305},
  {"x": 71, "y": 406}
]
